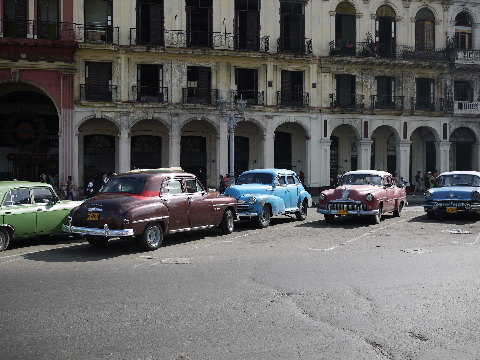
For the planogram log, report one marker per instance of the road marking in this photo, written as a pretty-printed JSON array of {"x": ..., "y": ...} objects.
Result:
[{"x": 357, "y": 238}]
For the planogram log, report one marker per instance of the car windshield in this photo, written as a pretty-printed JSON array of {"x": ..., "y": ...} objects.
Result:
[
  {"x": 458, "y": 180},
  {"x": 361, "y": 179},
  {"x": 255, "y": 178},
  {"x": 124, "y": 185}
]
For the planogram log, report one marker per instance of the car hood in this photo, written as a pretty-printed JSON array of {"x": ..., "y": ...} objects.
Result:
[
  {"x": 453, "y": 192},
  {"x": 347, "y": 191},
  {"x": 237, "y": 191}
]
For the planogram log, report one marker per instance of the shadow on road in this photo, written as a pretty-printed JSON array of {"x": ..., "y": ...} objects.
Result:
[{"x": 455, "y": 219}]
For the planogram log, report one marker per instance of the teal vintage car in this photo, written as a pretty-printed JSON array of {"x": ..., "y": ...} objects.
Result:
[
  {"x": 30, "y": 208},
  {"x": 264, "y": 193}
]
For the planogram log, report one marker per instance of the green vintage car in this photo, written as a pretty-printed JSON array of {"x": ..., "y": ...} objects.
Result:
[{"x": 30, "y": 208}]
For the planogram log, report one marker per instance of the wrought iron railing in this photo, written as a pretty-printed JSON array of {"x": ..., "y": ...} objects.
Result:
[
  {"x": 253, "y": 97},
  {"x": 98, "y": 92},
  {"x": 343, "y": 48},
  {"x": 175, "y": 38},
  {"x": 293, "y": 99},
  {"x": 347, "y": 101},
  {"x": 263, "y": 45},
  {"x": 461, "y": 54},
  {"x": 150, "y": 94},
  {"x": 411, "y": 53},
  {"x": 225, "y": 41},
  {"x": 387, "y": 102},
  {"x": 426, "y": 103},
  {"x": 294, "y": 45},
  {"x": 94, "y": 33},
  {"x": 18, "y": 28},
  {"x": 51, "y": 30},
  {"x": 143, "y": 36},
  {"x": 195, "y": 95}
]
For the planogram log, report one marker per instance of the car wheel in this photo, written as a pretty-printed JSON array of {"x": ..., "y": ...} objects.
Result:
[
  {"x": 329, "y": 218},
  {"x": 302, "y": 213},
  {"x": 227, "y": 222},
  {"x": 397, "y": 212},
  {"x": 4, "y": 239},
  {"x": 97, "y": 241},
  {"x": 430, "y": 215},
  {"x": 152, "y": 237},
  {"x": 263, "y": 219}
]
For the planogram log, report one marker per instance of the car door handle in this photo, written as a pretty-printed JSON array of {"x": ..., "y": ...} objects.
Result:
[
  {"x": 39, "y": 209},
  {"x": 8, "y": 212}
]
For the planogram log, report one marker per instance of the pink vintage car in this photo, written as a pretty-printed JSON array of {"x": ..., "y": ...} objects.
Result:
[{"x": 368, "y": 193}]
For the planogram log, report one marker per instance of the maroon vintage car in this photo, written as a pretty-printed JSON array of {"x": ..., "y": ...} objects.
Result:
[
  {"x": 145, "y": 204},
  {"x": 363, "y": 193}
]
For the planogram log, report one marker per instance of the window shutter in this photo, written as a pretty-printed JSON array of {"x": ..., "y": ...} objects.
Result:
[
  {"x": 252, "y": 30},
  {"x": 156, "y": 24},
  {"x": 431, "y": 92},
  {"x": 204, "y": 82},
  {"x": 286, "y": 85},
  {"x": 377, "y": 30}
]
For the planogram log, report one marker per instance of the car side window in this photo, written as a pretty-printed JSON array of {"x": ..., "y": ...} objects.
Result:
[
  {"x": 290, "y": 180},
  {"x": 17, "y": 197},
  {"x": 193, "y": 186},
  {"x": 42, "y": 195},
  {"x": 172, "y": 187},
  {"x": 281, "y": 180}
]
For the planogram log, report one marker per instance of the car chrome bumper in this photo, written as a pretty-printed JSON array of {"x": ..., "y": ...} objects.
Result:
[
  {"x": 349, "y": 212},
  {"x": 96, "y": 231},
  {"x": 465, "y": 208},
  {"x": 246, "y": 214}
]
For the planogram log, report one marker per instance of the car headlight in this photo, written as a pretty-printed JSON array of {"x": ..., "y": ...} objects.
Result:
[
  {"x": 427, "y": 195},
  {"x": 252, "y": 200},
  {"x": 322, "y": 197},
  {"x": 476, "y": 195},
  {"x": 369, "y": 197}
]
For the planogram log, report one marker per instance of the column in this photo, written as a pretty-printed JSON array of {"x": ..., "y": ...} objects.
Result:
[
  {"x": 67, "y": 141},
  {"x": 403, "y": 159},
  {"x": 174, "y": 146},
  {"x": 476, "y": 157},
  {"x": 124, "y": 145},
  {"x": 222, "y": 149},
  {"x": 443, "y": 155},
  {"x": 268, "y": 147},
  {"x": 364, "y": 149},
  {"x": 324, "y": 163}
]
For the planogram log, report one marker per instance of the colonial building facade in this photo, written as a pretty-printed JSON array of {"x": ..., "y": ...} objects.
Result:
[{"x": 331, "y": 86}]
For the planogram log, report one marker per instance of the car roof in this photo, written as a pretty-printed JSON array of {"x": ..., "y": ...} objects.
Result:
[
  {"x": 370, "y": 172},
  {"x": 458, "y": 172},
  {"x": 5, "y": 185},
  {"x": 271, "y": 170}
]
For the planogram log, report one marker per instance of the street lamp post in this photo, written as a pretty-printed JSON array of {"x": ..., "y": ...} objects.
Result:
[{"x": 231, "y": 118}]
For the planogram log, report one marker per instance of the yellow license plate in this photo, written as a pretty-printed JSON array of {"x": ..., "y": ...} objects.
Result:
[
  {"x": 93, "y": 216},
  {"x": 342, "y": 212},
  {"x": 451, "y": 210}
]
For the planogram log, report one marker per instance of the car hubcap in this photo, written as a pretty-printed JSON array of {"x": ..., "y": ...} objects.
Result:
[
  {"x": 153, "y": 236},
  {"x": 2, "y": 240},
  {"x": 230, "y": 221}
]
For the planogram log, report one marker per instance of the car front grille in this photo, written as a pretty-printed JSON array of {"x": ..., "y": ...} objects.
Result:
[
  {"x": 346, "y": 206},
  {"x": 242, "y": 207}
]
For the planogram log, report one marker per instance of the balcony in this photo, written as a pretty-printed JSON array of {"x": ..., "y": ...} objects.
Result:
[
  {"x": 97, "y": 34},
  {"x": 426, "y": 103},
  {"x": 288, "y": 45},
  {"x": 467, "y": 56},
  {"x": 34, "y": 29},
  {"x": 387, "y": 102},
  {"x": 466, "y": 108},
  {"x": 293, "y": 99},
  {"x": 347, "y": 102},
  {"x": 150, "y": 94},
  {"x": 411, "y": 53},
  {"x": 253, "y": 97},
  {"x": 101, "y": 93},
  {"x": 195, "y": 95},
  {"x": 262, "y": 46},
  {"x": 143, "y": 36}
]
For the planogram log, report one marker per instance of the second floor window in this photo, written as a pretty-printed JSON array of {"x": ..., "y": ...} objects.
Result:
[
  {"x": 150, "y": 83},
  {"x": 292, "y": 88},
  {"x": 98, "y": 21},
  {"x": 47, "y": 16},
  {"x": 198, "y": 89},
  {"x": 150, "y": 22},
  {"x": 247, "y": 85},
  {"x": 345, "y": 28},
  {"x": 199, "y": 23},
  {"x": 292, "y": 26},
  {"x": 424, "y": 94},
  {"x": 98, "y": 81},
  {"x": 385, "y": 97},
  {"x": 385, "y": 28},
  {"x": 425, "y": 30},
  {"x": 463, "y": 91},
  {"x": 247, "y": 24},
  {"x": 345, "y": 91},
  {"x": 15, "y": 18},
  {"x": 463, "y": 31}
]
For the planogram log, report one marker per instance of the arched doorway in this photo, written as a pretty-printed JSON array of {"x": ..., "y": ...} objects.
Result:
[
  {"x": 424, "y": 30},
  {"x": 345, "y": 28},
  {"x": 28, "y": 133},
  {"x": 97, "y": 150},
  {"x": 198, "y": 151},
  {"x": 385, "y": 31},
  {"x": 343, "y": 150},
  {"x": 384, "y": 149},
  {"x": 423, "y": 152},
  {"x": 290, "y": 150},
  {"x": 461, "y": 151},
  {"x": 149, "y": 145},
  {"x": 248, "y": 149},
  {"x": 463, "y": 31}
]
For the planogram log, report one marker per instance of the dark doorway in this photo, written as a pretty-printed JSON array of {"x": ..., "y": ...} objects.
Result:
[
  {"x": 242, "y": 153},
  {"x": 98, "y": 21},
  {"x": 98, "y": 81},
  {"x": 199, "y": 22},
  {"x": 193, "y": 156},
  {"x": 386, "y": 36},
  {"x": 247, "y": 82},
  {"x": 385, "y": 92},
  {"x": 333, "y": 160},
  {"x": 15, "y": 18},
  {"x": 292, "y": 88},
  {"x": 146, "y": 152},
  {"x": 150, "y": 83},
  {"x": 430, "y": 156},
  {"x": 247, "y": 24},
  {"x": 198, "y": 89},
  {"x": 292, "y": 27},
  {"x": 150, "y": 22},
  {"x": 47, "y": 24},
  {"x": 346, "y": 97},
  {"x": 283, "y": 150},
  {"x": 98, "y": 157},
  {"x": 345, "y": 29},
  {"x": 424, "y": 94}
]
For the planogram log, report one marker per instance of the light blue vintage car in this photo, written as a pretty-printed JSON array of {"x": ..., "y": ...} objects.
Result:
[
  {"x": 264, "y": 193},
  {"x": 455, "y": 192}
]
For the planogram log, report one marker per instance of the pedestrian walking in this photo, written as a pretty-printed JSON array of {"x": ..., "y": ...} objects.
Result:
[{"x": 69, "y": 188}]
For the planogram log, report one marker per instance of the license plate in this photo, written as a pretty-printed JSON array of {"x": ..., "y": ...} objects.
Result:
[
  {"x": 342, "y": 212},
  {"x": 451, "y": 210},
  {"x": 93, "y": 216}
]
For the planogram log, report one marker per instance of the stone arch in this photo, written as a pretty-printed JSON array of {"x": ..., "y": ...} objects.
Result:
[
  {"x": 426, "y": 6},
  {"x": 344, "y": 149},
  {"x": 467, "y": 11},
  {"x": 82, "y": 121},
  {"x": 159, "y": 119},
  {"x": 345, "y": 7},
  {"x": 384, "y": 152},
  {"x": 424, "y": 142},
  {"x": 454, "y": 127},
  {"x": 304, "y": 126},
  {"x": 185, "y": 121},
  {"x": 257, "y": 122},
  {"x": 290, "y": 145},
  {"x": 386, "y": 10}
]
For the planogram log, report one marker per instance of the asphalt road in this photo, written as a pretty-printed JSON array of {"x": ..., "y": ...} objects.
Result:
[{"x": 408, "y": 288}]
